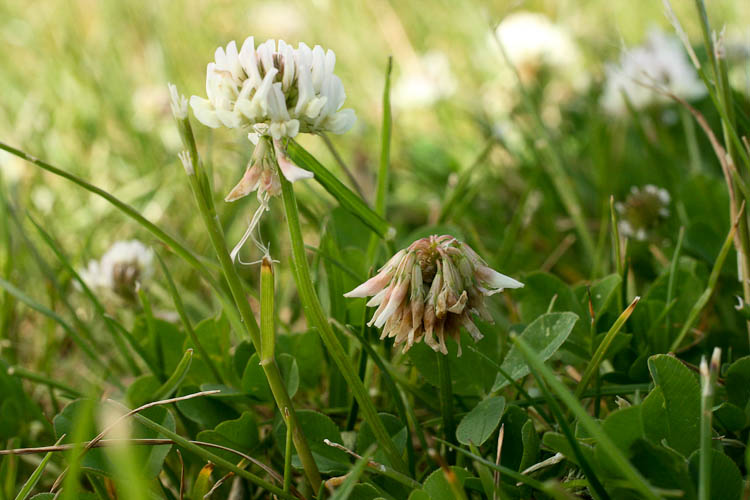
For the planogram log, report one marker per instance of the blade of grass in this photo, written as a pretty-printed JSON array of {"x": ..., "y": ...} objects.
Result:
[
  {"x": 597, "y": 489},
  {"x": 592, "y": 366},
  {"x": 177, "y": 300},
  {"x": 712, "y": 279},
  {"x": 207, "y": 455},
  {"x": 458, "y": 193},
  {"x": 505, "y": 471},
  {"x": 708, "y": 383},
  {"x": 82, "y": 421},
  {"x": 384, "y": 166},
  {"x": 174, "y": 380},
  {"x": 342, "y": 164},
  {"x": 128, "y": 210},
  {"x": 21, "y": 372},
  {"x": 340, "y": 192},
  {"x": 636, "y": 480},
  {"x": 36, "y": 475},
  {"x": 98, "y": 307},
  {"x": 555, "y": 164},
  {"x": 446, "y": 404},
  {"x": 33, "y": 304},
  {"x": 345, "y": 490},
  {"x": 673, "y": 274},
  {"x": 200, "y": 187},
  {"x": 317, "y": 318}
]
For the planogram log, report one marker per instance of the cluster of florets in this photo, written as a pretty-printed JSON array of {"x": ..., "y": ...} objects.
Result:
[
  {"x": 659, "y": 63},
  {"x": 274, "y": 90},
  {"x": 643, "y": 211},
  {"x": 122, "y": 269},
  {"x": 429, "y": 290}
]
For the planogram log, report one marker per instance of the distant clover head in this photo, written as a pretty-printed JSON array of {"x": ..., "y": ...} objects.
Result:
[
  {"x": 431, "y": 289},
  {"x": 643, "y": 211},
  {"x": 122, "y": 269},
  {"x": 273, "y": 90}
]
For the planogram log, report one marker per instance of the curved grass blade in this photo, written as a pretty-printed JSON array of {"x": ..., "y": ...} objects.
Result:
[
  {"x": 712, "y": 279},
  {"x": 33, "y": 304},
  {"x": 172, "y": 288},
  {"x": 98, "y": 307},
  {"x": 36, "y": 475},
  {"x": 338, "y": 190},
  {"x": 173, "y": 382},
  {"x": 636, "y": 480},
  {"x": 128, "y": 210},
  {"x": 345, "y": 490},
  {"x": 596, "y": 359}
]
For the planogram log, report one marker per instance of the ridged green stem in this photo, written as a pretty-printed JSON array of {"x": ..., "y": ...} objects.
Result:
[
  {"x": 446, "y": 403},
  {"x": 318, "y": 320},
  {"x": 199, "y": 185}
]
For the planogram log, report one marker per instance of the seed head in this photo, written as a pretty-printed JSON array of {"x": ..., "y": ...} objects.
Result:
[{"x": 430, "y": 290}]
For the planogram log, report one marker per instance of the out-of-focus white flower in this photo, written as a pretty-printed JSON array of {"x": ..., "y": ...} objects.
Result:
[
  {"x": 424, "y": 84},
  {"x": 284, "y": 18},
  {"x": 643, "y": 211},
  {"x": 660, "y": 62},
  {"x": 430, "y": 290},
  {"x": 274, "y": 90},
  {"x": 126, "y": 265},
  {"x": 532, "y": 42}
]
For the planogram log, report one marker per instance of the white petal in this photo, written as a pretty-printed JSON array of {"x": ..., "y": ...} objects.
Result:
[
  {"x": 371, "y": 286},
  {"x": 204, "y": 112},
  {"x": 393, "y": 302},
  {"x": 291, "y": 171},
  {"x": 318, "y": 67},
  {"x": 495, "y": 279},
  {"x": 229, "y": 119},
  {"x": 249, "y": 61},
  {"x": 247, "y": 184},
  {"x": 342, "y": 121}
]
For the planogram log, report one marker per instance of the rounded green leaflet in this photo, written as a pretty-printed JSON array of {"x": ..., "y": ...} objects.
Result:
[
  {"x": 479, "y": 424},
  {"x": 152, "y": 457}
]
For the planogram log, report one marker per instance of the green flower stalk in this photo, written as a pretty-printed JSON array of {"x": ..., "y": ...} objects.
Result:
[
  {"x": 201, "y": 192},
  {"x": 431, "y": 289}
]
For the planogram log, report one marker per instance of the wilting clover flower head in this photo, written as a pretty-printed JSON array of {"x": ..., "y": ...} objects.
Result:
[
  {"x": 274, "y": 90},
  {"x": 643, "y": 211},
  {"x": 431, "y": 289},
  {"x": 122, "y": 268}
]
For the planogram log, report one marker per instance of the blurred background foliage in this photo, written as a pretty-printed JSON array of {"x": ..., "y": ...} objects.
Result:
[{"x": 83, "y": 85}]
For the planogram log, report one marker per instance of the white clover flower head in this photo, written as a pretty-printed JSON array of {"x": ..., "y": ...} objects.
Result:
[
  {"x": 122, "y": 268},
  {"x": 177, "y": 102},
  {"x": 425, "y": 83},
  {"x": 643, "y": 211},
  {"x": 273, "y": 90},
  {"x": 430, "y": 290},
  {"x": 531, "y": 41},
  {"x": 660, "y": 62}
]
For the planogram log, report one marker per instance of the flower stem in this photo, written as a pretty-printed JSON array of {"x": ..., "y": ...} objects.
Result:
[
  {"x": 317, "y": 318},
  {"x": 199, "y": 185},
  {"x": 446, "y": 404}
]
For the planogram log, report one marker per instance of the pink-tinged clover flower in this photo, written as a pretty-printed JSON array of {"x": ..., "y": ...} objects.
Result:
[
  {"x": 273, "y": 92},
  {"x": 431, "y": 289}
]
